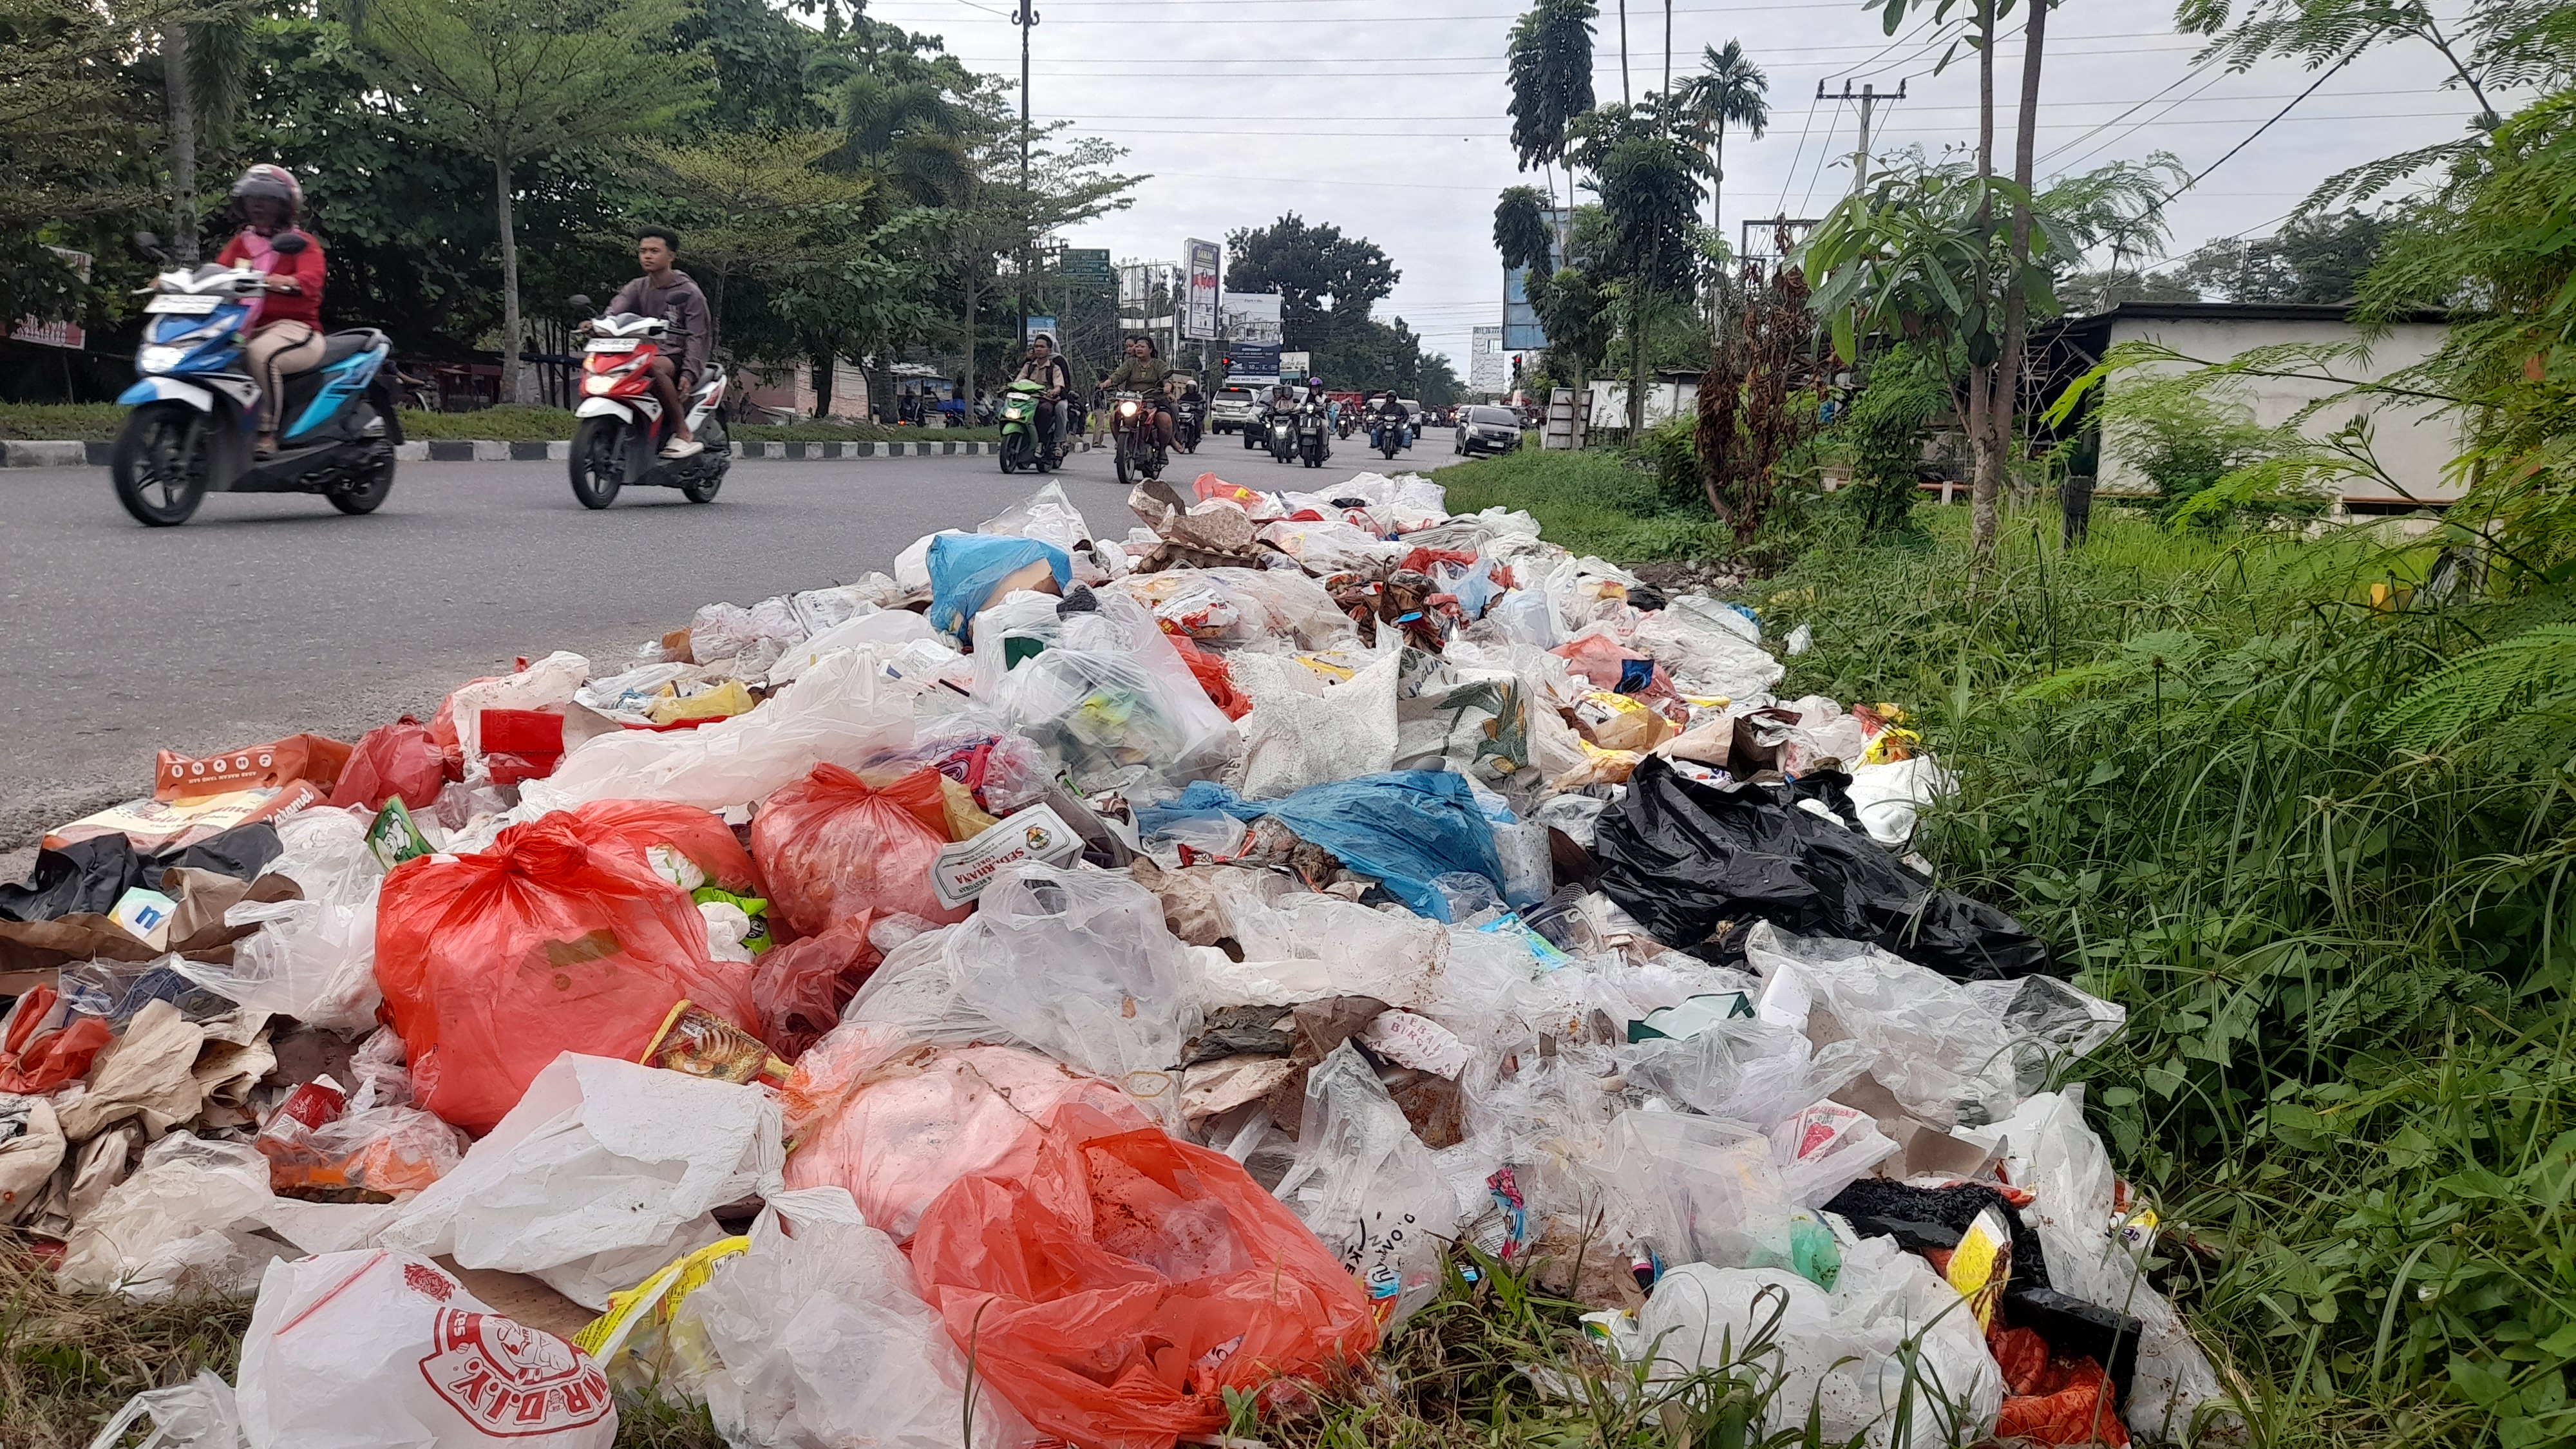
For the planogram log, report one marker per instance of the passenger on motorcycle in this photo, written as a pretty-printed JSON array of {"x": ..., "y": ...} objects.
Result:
[
  {"x": 286, "y": 326},
  {"x": 667, "y": 293},
  {"x": 1049, "y": 371},
  {"x": 1389, "y": 412},
  {"x": 1146, "y": 374}
]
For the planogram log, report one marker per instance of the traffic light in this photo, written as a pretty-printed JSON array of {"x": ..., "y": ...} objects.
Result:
[{"x": 1516, "y": 369}]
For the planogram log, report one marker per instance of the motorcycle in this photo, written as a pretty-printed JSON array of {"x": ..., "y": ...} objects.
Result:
[
  {"x": 1138, "y": 443},
  {"x": 1314, "y": 433},
  {"x": 1189, "y": 419},
  {"x": 1024, "y": 443},
  {"x": 196, "y": 413},
  {"x": 1350, "y": 422},
  {"x": 1279, "y": 431},
  {"x": 618, "y": 441},
  {"x": 1390, "y": 436}
]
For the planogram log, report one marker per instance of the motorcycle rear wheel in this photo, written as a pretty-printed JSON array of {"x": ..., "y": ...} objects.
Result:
[
  {"x": 370, "y": 495},
  {"x": 702, "y": 489},
  {"x": 160, "y": 462},
  {"x": 597, "y": 469}
]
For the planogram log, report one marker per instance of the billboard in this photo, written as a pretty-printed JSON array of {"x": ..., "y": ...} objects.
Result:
[
  {"x": 1251, "y": 317},
  {"x": 1199, "y": 315},
  {"x": 1087, "y": 264},
  {"x": 1042, "y": 327},
  {"x": 1252, "y": 361},
  {"x": 1488, "y": 365}
]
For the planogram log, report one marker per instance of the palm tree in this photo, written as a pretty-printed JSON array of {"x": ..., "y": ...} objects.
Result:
[
  {"x": 1728, "y": 90},
  {"x": 1550, "y": 59},
  {"x": 203, "y": 65}
]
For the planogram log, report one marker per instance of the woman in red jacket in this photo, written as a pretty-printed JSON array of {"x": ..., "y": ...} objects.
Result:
[{"x": 286, "y": 329}]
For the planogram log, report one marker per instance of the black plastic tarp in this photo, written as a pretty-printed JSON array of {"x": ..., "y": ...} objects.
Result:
[
  {"x": 87, "y": 876},
  {"x": 1694, "y": 861}
]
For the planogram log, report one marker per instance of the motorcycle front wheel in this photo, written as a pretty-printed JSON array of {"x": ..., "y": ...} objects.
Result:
[
  {"x": 598, "y": 467},
  {"x": 1126, "y": 461},
  {"x": 160, "y": 462}
]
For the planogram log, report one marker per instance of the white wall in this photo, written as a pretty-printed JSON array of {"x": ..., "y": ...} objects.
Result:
[
  {"x": 2412, "y": 444},
  {"x": 1665, "y": 401}
]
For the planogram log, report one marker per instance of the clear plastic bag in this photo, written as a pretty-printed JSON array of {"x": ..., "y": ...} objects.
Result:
[
  {"x": 1079, "y": 964},
  {"x": 198, "y": 1414},
  {"x": 1946, "y": 1056},
  {"x": 314, "y": 959},
  {"x": 1047, "y": 515},
  {"x": 1755, "y": 1072},
  {"x": 1102, "y": 690},
  {"x": 838, "y": 711},
  {"x": 813, "y": 1335},
  {"x": 1368, "y": 1187},
  {"x": 1304, "y": 730},
  {"x": 179, "y": 1226}
]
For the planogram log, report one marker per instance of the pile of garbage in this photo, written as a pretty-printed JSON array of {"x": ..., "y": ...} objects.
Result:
[{"x": 1145, "y": 963}]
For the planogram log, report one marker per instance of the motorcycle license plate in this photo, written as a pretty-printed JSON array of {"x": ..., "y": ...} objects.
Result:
[
  {"x": 613, "y": 344},
  {"x": 184, "y": 304}
]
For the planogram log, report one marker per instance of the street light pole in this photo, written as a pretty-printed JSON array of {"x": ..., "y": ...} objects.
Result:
[{"x": 1027, "y": 20}]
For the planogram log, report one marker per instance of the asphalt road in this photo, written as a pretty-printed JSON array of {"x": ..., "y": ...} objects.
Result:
[{"x": 270, "y": 614}]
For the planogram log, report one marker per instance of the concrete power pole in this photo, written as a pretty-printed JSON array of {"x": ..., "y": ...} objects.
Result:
[{"x": 1869, "y": 100}]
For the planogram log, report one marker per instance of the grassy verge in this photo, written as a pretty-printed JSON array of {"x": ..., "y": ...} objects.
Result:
[
  {"x": 1592, "y": 502},
  {"x": 69, "y": 1361},
  {"x": 2348, "y": 1078},
  {"x": 99, "y": 422}
]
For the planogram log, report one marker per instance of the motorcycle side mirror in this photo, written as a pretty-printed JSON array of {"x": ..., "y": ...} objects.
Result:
[
  {"x": 581, "y": 301},
  {"x": 290, "y": 243}
]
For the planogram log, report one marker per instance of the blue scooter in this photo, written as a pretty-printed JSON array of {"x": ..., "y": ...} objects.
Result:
[{"x": 196, "y": 413}]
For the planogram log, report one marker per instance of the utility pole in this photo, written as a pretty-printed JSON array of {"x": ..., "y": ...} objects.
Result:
[
  {"x": 1869, "y": 99},
  {"x": 1026, "y": 20}
]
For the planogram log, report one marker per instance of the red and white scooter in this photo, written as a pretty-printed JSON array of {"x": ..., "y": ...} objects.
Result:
[{"x": 618, "y": 441}]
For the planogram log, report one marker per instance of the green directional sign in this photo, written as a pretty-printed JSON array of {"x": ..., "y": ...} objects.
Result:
[{"x": 1088, "y": 264}]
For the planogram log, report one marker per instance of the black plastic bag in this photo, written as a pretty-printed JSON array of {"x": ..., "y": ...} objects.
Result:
[
  {"x": 87, "y": 876},
  {"x": 1693, "y": 861}
]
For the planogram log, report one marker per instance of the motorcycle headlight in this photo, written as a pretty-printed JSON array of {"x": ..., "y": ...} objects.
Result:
[
  {"x": 156, "y": 357},
  {"x": 598, "y": 382},
  {"x": 1127, "y": 410}
]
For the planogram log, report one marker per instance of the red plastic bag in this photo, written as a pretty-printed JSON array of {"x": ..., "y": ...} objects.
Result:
[
  {"x": 521, "y": 744},
  {"x": 800, "y": 988},
  {"x": 396, "y": 759},
  {"x": 558, "y": 940},
  {"x": 705, "y": 841},
  {"x": 2053, "y": 1400},
  {"x": 831, "y": 846},
  {"x": 1214, "y": 678},
  {"x": 39, "y": 1063},
  {"x": 1113, "y": 1293}
]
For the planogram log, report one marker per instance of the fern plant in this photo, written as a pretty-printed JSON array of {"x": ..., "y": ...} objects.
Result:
[{"x": 2532, "y": 673}]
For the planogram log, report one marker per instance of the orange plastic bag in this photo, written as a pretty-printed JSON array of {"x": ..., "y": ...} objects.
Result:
[
  {"x": 705, "y": 841},
  {"x": 317, "y": 759},
  {"x": 1215, "y": 679},
  {"x": 33, "y": 1062},
  {"x": 560, "y": 939},
  {"x": 2053, "y": 1400},
  {"x": 831, "y": 846},
  {"x": 1113, "y": 1293}
]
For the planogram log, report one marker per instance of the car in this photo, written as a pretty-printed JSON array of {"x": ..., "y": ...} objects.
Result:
[
  {"x": 1234, "y": 407},
  {"x": 1486, "y": 430}
]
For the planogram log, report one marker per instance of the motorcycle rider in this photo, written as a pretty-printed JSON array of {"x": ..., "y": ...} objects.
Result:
[
  {"x": 286, "y": 325},
  {"x": 1389, "y": 412},
  {"x": 1146, "y": 373},
  {"x": 1051, "y": 372},
  {"x": 667, "y": 293}
]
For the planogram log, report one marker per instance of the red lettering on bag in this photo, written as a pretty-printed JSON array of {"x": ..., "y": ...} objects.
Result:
[{"x": 498, "y": 1372}]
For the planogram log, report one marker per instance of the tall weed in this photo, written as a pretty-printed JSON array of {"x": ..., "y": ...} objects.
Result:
[{"x": 2348, "y": 963}]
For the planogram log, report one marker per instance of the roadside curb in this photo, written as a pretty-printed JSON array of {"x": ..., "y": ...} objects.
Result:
[{"x": 68, "y": 454}]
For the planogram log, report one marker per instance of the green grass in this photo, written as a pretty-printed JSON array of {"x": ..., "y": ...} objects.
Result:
[
  {"x": 1592, "y": 502},
  {"x": 2348, "y": 1078},
  {"x": 99, "y": 422}
]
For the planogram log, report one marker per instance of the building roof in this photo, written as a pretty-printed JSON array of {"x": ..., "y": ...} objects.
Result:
[{"x": 2233, "y": 312}]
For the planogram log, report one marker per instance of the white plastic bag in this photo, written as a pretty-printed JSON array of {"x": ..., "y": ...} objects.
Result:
[
  {"x": 1946, "y": 1055},
  {"x": 838, "y": 711},
  {"x": 882, "y": 632},
  {"x": 31, "y": 1147},
  {"x": 1367, "y": 1186},
  {"x": 198, "y": 1414},
  {"x": 1305, "y": 731},
  {"x": 375, "y": 1349},
  {"x": 1079, "y": 964},
  {"x": 1888, "y": 797},
  {"x": 1047, "y": 515},
  {"x": 180, "y": 1225},
  {"x": 1702, "y": 645},
  {"x": 604, "y": 1171},
  {"x": 548, "y": 684},
  {"x": 314, "y": 959},
  {"x": 818, "y": 1341},
  {"x": 1105, "y": 692}
]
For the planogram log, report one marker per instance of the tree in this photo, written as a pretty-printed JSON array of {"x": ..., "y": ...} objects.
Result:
[
  {"x": 1549, "y": 62},
  {"x": 63, "y": 103},
  {"x": 761, "y": 206},
  {"x": 1520, "y": 229},
  {"x": 202, "y": 63},
  {"x": 2315, "y": 258},
  {"x": 513, "y": 80},
  {"x": 1728, "y": 91},
  {"x": 1649, "y": 187},
  {"x": 1325, "y": 280}
]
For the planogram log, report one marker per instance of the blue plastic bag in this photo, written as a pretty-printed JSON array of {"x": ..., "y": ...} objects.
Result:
[
  {"x": 1404, "y": 828},
  {"x": 965, "y": 568}
]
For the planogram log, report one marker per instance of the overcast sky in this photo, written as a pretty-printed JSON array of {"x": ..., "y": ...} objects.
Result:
[{"x": 1386, "y": 117}]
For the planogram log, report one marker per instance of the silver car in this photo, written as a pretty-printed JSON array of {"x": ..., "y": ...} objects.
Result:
[{"x": 1486, "y": 430}]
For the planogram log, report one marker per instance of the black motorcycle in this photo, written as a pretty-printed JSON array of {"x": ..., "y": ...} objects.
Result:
[
  {"x": 1189, "y": 423},
  {"x": 1314, "y": 432},
  {"x": 1279, "y": 431}
]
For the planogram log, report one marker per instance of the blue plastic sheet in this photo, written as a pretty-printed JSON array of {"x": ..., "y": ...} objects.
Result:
[
  {"x": 965, "y": 568},
  {"x": 1403, "y": 828}
]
